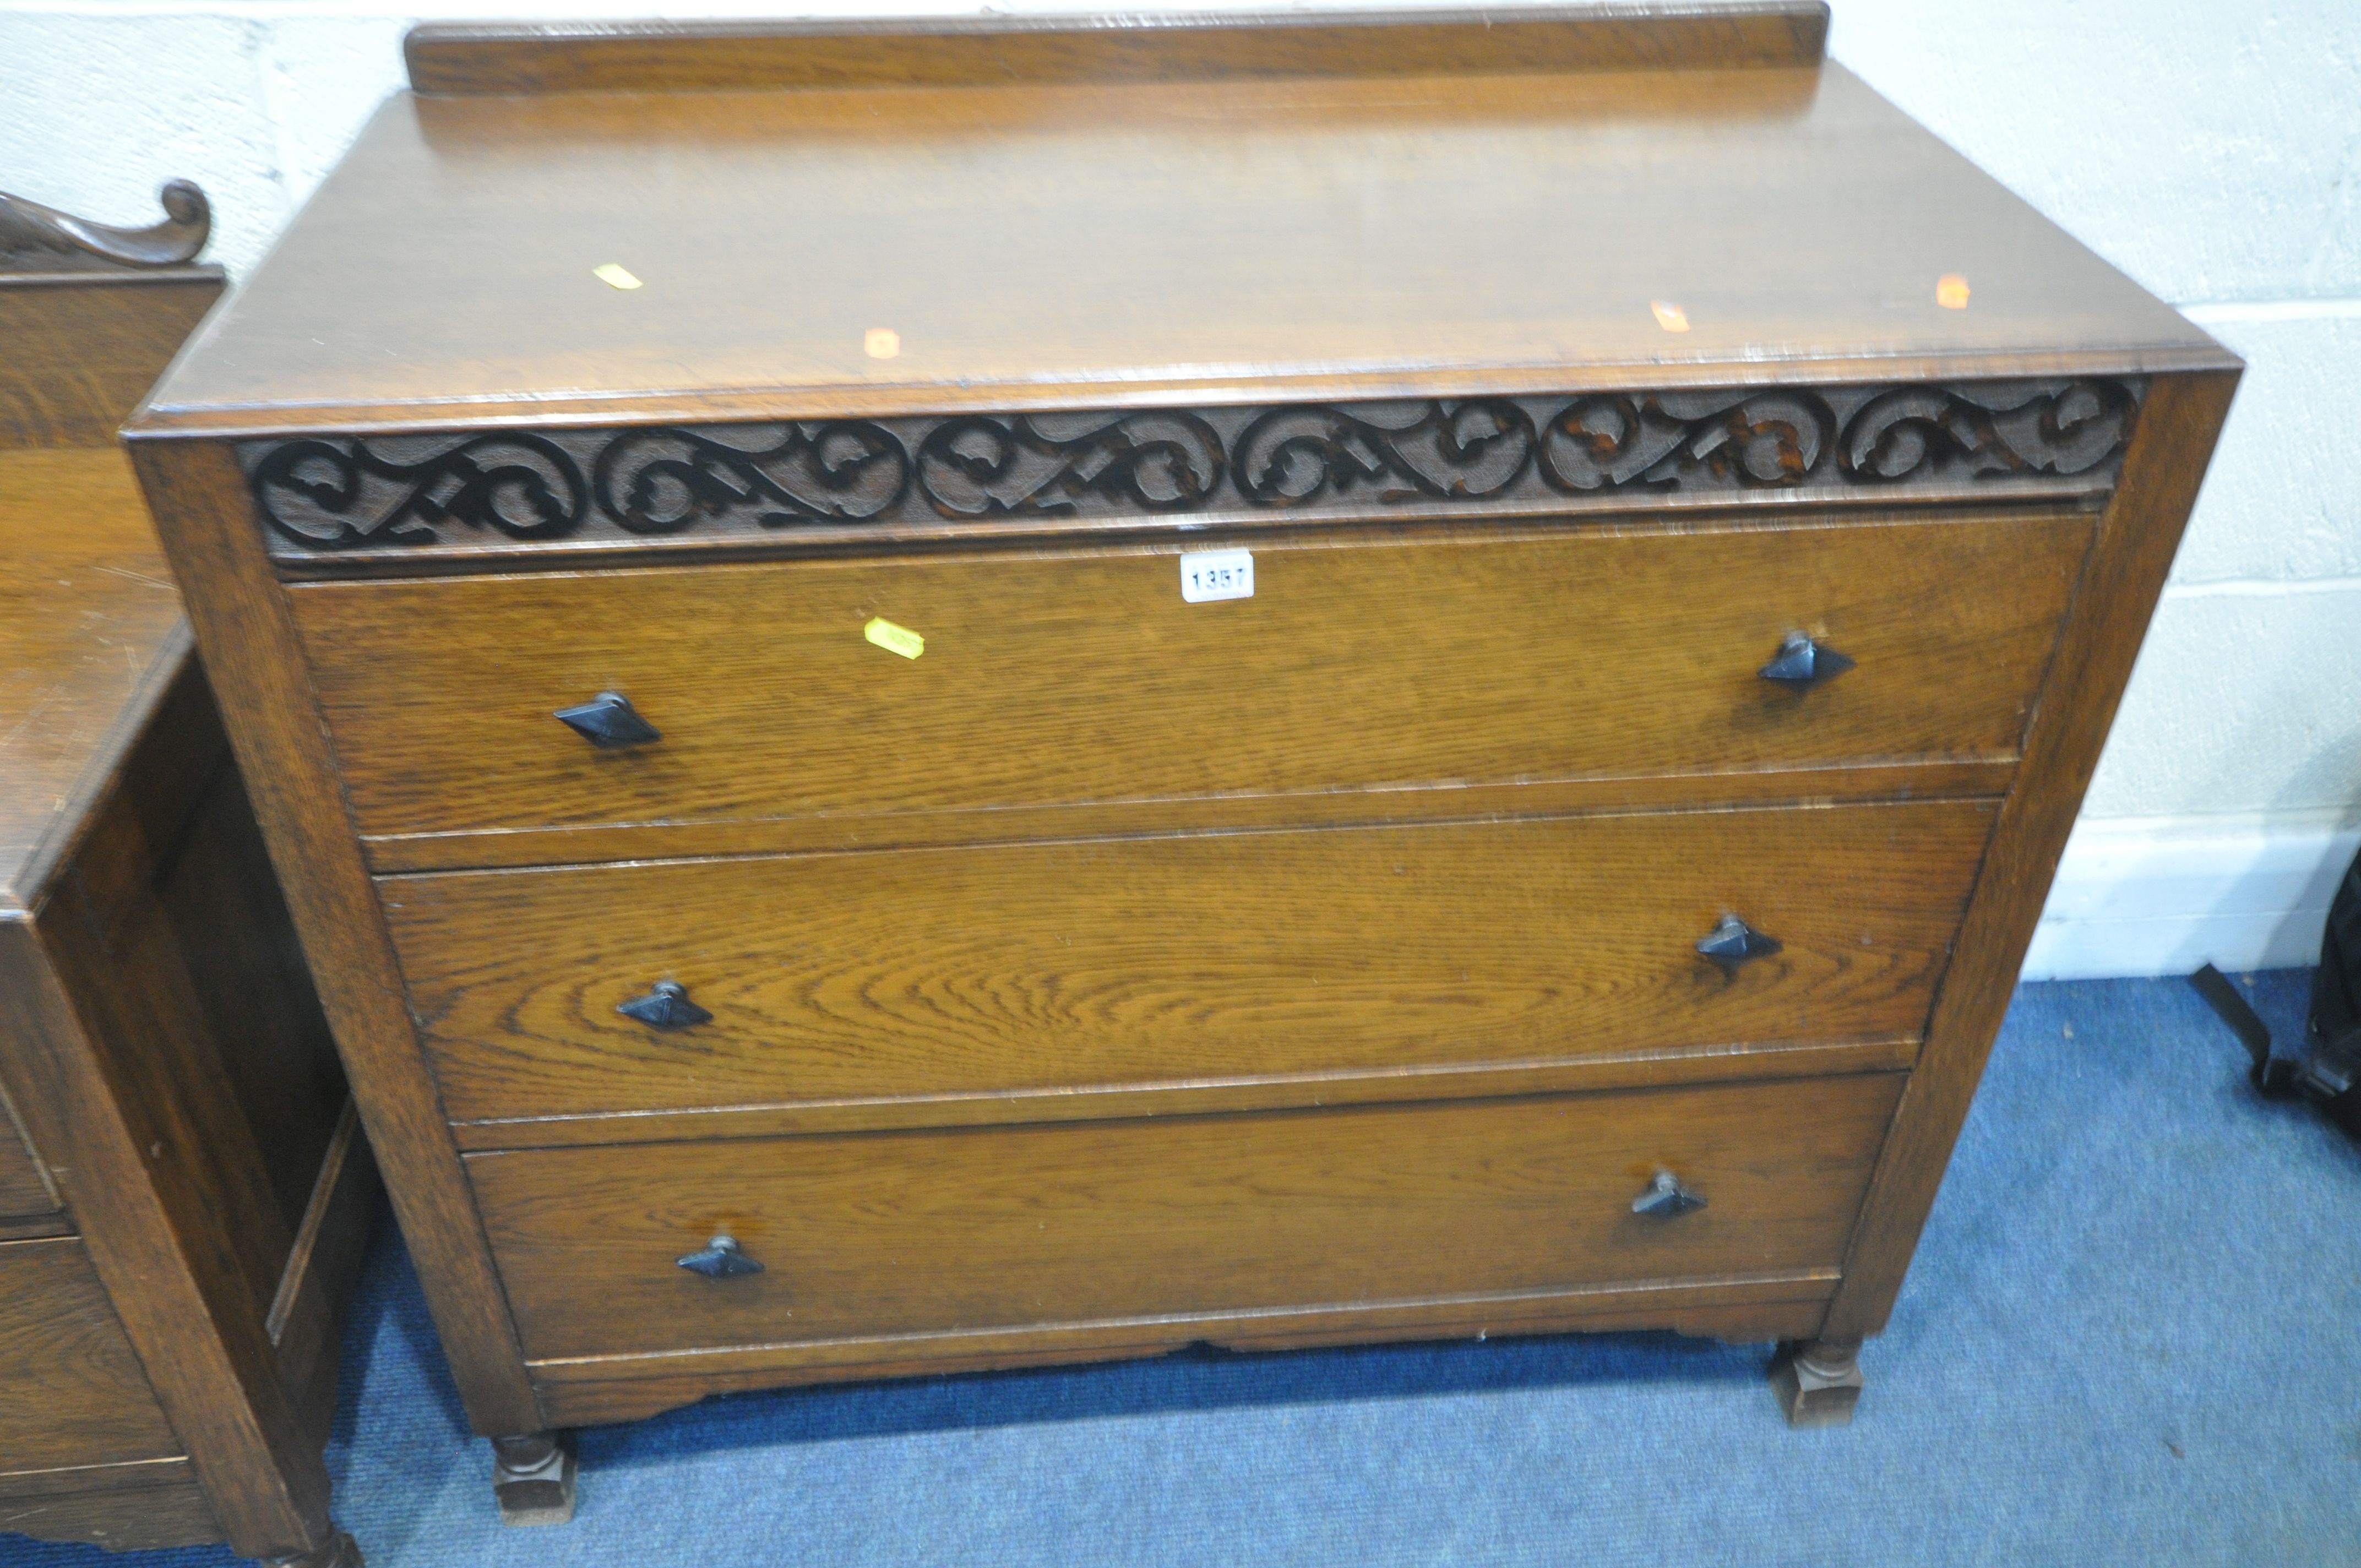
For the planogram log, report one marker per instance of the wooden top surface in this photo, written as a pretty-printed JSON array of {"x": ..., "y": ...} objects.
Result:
[
  {"x": 90, "y": 633},
  {"x": 1080, "y": 245}
]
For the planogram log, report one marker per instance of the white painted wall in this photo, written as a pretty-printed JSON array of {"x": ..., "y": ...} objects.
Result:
[{"x": 2211, "y": 148}]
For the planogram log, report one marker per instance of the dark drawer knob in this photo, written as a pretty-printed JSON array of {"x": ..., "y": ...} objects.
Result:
[
  {"x": 1803, "y": 663},
  {"x": 719, "y": 1259},
  {"x": 665, "y": 1006},
  {"x": 1734, "y": 944},
  {"x": 1666, "y": 1196},
  {"x": 610, "y": 721}
]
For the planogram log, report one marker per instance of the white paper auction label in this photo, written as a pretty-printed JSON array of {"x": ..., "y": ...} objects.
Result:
[{"x": 1217, "y": 575}]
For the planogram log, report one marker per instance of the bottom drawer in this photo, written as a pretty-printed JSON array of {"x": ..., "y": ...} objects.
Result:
[{"x": 952, "y": 1234}]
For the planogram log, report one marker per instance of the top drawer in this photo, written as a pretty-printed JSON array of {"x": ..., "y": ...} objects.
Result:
[{"x": 1081, "y": 675}]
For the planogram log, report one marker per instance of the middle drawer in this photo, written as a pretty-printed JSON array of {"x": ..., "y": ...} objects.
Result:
[{"x": 1045, "y": 967}]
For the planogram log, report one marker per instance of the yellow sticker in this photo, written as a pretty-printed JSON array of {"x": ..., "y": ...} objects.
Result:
[
  {"x": 1669, "y": 316},
  {"x": 893, "y": 638},
  {"x": 615, "y": 274},
  {"x": 1951, "y": 291},
  {"x": 881, "y": 343}
]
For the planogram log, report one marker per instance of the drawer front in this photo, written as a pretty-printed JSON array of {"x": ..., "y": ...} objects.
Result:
[
  {"x": 22, "y": 1190},
  {"x": 71, "y": 1388},
  {"x": 1082, "y": 676},
  {"x": 971, "y": 1232},
  {"x": 1188, "y": 959}
]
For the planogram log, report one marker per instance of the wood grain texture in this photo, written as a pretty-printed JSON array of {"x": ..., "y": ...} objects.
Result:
[
  {"x": 1804, "y": 787},
  {"x": 1081, "y": 677},
  {"x": 1642, "y": 1069},
  {"x": 36, "y": 1226},
  {"x": 74, "y": 1391},
  {"x": 139, "y": 1506},
  {"x": 655, "y": 57},
  {"x": 90, "y": 633},
  {"x": 1046, "y": 246},
  {"x": 2127, "y": 571},
  {"x": 598, "y": 1389},
  {"x": 910, "y": 1243},
  {"x": 148, "y": 1041},
  {"x": 83, "y": 348},
  {"x": 149, "y": 1185},
  {"x": 142, "y": 795},
  {"x": 25, "y": 1189},
  {"x": 252, "y": 659},
  {"x": 307, "y": 1313},
  {"x": 225, "y": 912},
  {"x": 1067, "y": 966}
]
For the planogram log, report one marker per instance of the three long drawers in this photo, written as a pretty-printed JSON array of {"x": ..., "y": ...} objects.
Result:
[{"x": 997, "y": 1002}]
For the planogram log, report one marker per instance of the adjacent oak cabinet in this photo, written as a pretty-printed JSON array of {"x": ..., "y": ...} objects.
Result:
[{"x": 185, "y": 1190}]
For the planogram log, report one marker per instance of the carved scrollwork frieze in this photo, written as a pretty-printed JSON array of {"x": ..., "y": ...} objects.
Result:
[
  {"x": 330, "y": 494},
  {"x": 1485, "y": 455},
  {"x": 1982, "y": 432},
  {"x": 998, "y": 466},
  {"x": 1470, "y": 449},
  {"x": 1664, "y": 439},
  {"x": 661, "y": 481}
]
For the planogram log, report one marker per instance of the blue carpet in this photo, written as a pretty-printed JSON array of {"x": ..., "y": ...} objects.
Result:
[{"x": 2133, "y": 1335}]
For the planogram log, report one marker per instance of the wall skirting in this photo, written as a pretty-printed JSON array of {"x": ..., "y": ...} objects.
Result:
[{"x": 2142, "y": 896}]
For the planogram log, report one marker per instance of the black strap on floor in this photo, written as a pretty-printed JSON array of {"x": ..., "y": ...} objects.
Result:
[{"x": 2273, "y": 1076}]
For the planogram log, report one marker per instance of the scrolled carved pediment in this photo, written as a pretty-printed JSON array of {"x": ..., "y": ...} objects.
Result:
[{"x": 34, "y": 238}]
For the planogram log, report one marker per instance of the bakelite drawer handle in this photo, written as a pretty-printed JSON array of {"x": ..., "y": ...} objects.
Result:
[
  {"x": 719, "y": 1259},
  {"x": 1802, "y": 663},
  {"x": 665, "y": 1006},
  {"x": 608, "y": 720},
  {"x": 1733, "y": 944},
  {"x": 1667, "y": 1197}
]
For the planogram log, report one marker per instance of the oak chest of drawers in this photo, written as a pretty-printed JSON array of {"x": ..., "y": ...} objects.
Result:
[{"x": 981, "y": 694}]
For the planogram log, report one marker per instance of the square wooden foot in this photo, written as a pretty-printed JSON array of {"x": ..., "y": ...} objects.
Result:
[
  {"x": 1817, "y": 1385},
  {"x": 533, "y": 1477},
  {"x": 337, "y": 1551}
]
